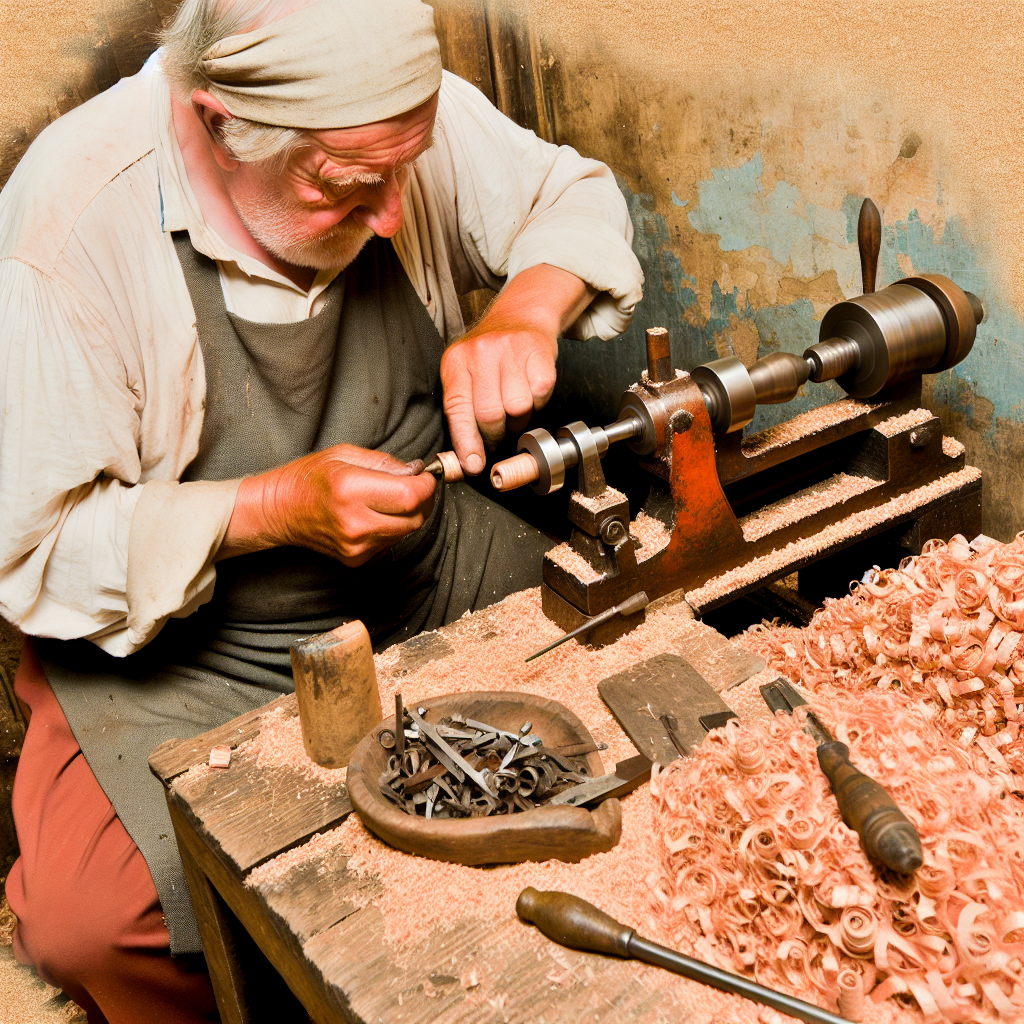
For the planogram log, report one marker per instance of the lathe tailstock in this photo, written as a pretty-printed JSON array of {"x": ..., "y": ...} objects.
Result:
[{"x": 727, "y": 513}]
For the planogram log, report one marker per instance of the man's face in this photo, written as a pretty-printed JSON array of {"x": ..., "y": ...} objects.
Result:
[{"x": 333, "y": 196}]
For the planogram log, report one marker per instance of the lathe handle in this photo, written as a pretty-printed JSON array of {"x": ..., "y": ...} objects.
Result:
[
  {"x": 573, "y": 922},
  {"x": 869, "y": 241},
  {"x": 885, "y": 833}
]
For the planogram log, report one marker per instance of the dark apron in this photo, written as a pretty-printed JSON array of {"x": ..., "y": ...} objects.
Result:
[{"x": 364, "y": 370}]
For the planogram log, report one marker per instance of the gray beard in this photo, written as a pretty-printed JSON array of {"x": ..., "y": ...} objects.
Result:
[{"x": 268, "y": 219}]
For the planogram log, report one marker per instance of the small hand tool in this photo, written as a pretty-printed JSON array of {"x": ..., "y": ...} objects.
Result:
[
  {"x": 671, "y": 724},
  {"x": 628, "y": 775},
  {"x": 885, "y": 833},
  {"x": 573, "y": 922},
  {"x": 637, "y": 603}
]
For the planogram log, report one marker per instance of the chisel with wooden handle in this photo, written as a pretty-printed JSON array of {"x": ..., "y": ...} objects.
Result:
[
  {"x": 886, "y": 835},
  {"x": 573, "y": 922}
]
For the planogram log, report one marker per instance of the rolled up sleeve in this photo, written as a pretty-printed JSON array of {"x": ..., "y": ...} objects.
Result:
[{"x": 523, "y": 202}]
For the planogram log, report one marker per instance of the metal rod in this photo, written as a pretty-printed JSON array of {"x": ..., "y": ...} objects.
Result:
[
  {"x": 573, "y": 922},
  {"x": 630, "y": 606},
  {"x": 726, "y": 981}
]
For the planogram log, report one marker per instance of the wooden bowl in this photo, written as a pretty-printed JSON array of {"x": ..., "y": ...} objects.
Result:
[{"x": 560, "y": 833}]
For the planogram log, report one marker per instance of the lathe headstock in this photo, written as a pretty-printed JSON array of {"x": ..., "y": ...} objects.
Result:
[{"x": 738, "y": 511}]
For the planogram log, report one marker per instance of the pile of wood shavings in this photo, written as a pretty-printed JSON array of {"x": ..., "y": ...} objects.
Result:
[
  {"x": 775, "y": 563},
  {"x": 946, "y": 628},
  {"x": 757, "y": 873}
]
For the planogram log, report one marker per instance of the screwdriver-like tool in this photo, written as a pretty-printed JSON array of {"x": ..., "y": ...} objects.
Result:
[
  {"x": 886, "y": 834},
  {"x": 573, "y": 922},
  {"x": 630, "y": 606}
]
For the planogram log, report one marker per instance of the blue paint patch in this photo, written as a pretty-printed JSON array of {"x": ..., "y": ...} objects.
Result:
[
  {"x": 811, "y": 239},
  {"x": 993, "y": 369},
  {"x": 676, "y": 201}
]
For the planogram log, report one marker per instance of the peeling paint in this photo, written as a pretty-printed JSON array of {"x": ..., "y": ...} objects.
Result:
[{"x": 808, "y": 238}]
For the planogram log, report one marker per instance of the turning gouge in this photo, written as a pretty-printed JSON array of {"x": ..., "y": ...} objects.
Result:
[{"x": 886, "y": 834}]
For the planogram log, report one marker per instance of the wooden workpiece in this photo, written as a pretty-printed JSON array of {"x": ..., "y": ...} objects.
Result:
[{"x": 348, "y": 952}]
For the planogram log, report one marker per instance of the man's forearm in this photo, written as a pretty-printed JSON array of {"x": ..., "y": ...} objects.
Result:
[{"x": 543, "y": 298}]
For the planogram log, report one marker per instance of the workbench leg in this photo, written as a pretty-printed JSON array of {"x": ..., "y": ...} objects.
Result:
[{"x": 222, "y": 959}]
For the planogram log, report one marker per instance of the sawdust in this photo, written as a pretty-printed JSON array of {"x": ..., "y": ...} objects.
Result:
[
  {"x": 568, "y": 558},
  {"x": 23, "y": 992},
  {"x": 952, "y": 447},
  {"x": 609, "y": 496},
  {"x": 652, "y": 533},
  {"x": 775, "y": 562},
  {"x": 897, "y": 424},
  {"x": 568, "y": 674},
  {"x": 803, "y": 425},
  {"x": 804, "y": 504}
]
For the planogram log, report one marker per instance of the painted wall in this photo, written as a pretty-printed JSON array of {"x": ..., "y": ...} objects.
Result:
[{"x": 744, "y": 137}]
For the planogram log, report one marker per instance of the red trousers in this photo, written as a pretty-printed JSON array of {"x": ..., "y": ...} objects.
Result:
[{"x": 88, "y": 915}]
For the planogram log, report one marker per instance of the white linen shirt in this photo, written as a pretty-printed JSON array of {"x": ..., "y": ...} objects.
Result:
[{"x": 101, "y": 374}]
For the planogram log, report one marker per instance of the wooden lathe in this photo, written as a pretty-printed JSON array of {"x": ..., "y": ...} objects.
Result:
[{"x": 738, "y": 510}]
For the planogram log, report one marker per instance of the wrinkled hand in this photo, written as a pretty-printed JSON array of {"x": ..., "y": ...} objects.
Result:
[
  {"x": 492, "y": 382},
  {"x": 344, "y": 502}
]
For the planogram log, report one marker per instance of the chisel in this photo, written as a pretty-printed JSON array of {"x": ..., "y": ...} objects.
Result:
[{"x": 886, "y": 834}]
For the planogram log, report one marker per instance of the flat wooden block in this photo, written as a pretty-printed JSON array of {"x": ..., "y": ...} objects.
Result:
[{"x": 665, "y": 684}]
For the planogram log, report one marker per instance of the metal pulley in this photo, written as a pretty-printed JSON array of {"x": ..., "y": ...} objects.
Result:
[
  {"x": 918, "y": 325},
  {"x": 922, "y": 324}
]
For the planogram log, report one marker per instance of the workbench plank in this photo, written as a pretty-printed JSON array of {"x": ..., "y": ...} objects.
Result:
[
  {"x": 531, "y": 978},
  {"x": 254, "y": 813},
  {"x": 174, "y": 757},
  {"x": 312, "y": 896},
  {"x": 324, "y": 1003}
]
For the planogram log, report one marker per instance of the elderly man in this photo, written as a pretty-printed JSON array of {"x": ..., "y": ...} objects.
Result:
[{"x": 227, "y": 288}]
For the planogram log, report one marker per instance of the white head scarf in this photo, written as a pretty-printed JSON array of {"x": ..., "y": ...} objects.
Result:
[{"x": 333, "y": 64}]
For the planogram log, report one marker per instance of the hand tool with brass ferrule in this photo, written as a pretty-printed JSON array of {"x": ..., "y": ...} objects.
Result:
[
  {"x": 630, "y": 606},
  {"x": 885, "y": 833},
  {"x": 575, "y": 923}
]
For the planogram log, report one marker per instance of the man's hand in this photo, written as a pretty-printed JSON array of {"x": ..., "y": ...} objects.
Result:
[
  {"x": 345, "y": 502},
  {"x": 504, "y": 367}
]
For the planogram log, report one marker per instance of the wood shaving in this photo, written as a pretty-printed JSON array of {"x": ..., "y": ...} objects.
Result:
[
  {"x": 279, "y": 744},
  {"x": 775, "y": 563},
  {"x": 566, "y": 556},
  {"x": 757, "y": 872},
  {"x": 652, "y": 534},
  {"x": 220, "y": 757}
]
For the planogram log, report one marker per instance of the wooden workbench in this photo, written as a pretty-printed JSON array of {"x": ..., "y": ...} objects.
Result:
[{"x": 312, "y": 921}]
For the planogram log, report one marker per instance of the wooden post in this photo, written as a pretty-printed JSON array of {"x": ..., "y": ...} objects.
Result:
[{"x": 336, "y": 687}]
